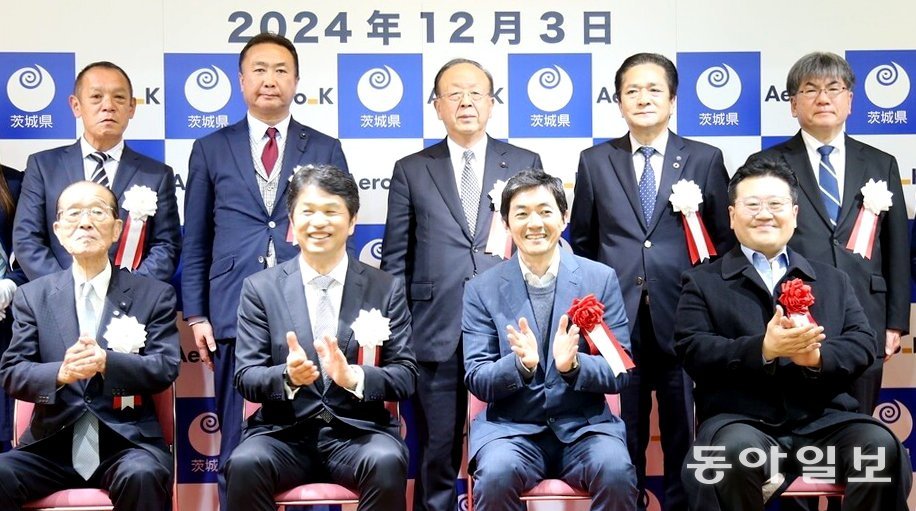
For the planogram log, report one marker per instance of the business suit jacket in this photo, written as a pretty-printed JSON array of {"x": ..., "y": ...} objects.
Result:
[
  {"x": 46, "y": 325},
  {"x": 47, "y": 173},
  {"x": 570, "y": 406},
  {"x": 14, "y": 183},
  {"x": 227, "y": 227},
  {"x": 607, "y": 224},
  {"x": 881, "y": 283},
  {"x": 428, "y": 243},
  {"x": 273, "y": 302}
]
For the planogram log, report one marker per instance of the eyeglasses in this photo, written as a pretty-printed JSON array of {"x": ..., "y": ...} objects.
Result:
[
  {"x": 454, "y": 97},
  {"x": 74, "y": 215},
  {"x": 811, "y": 92},
  {"x": 754, "y": 206}
]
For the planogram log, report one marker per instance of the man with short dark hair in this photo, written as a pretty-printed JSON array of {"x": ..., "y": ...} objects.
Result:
[
  {"x": 628, "y": 215},
  {"x": 322, "y": 344},
  {"x": 145, "y": 188},
  {"x": 91, "y": 345},
  {"x": 547, "y": 416},
  {"x": 834, "y": 172},
  {"x": 773, "y": 342},
  {"x": 439, "y": 235},
  {"x": 235, "y": 220}
]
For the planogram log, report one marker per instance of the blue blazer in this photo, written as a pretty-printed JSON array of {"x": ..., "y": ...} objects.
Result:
[
  {"x": 428, "y": 243},
  {"x": 273, "y": 302},
  {"x": 227, "y": 227},
  {"x": 570, "y": 405},
  {"x": 607, "y": 224},
  {"x": 46, "y": 325},
  {"x": 14, "y": 183},
  {"x": 47, "y": 173}
]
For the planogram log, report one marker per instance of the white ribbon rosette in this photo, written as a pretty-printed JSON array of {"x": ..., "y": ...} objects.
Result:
[
  {"x": 876, "y": 198},
  {"x": 685, "y": 199},
  {"x": 140, "y": 203},
  {"x": 125, "y": 334},
  {"x": 371, "y": 330},
  {"x": 498, "y": 241}
]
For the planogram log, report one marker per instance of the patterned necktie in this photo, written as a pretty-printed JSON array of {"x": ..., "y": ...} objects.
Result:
[
  {"x": 85, "y": 449},
  {"x": 647, "y": 185},
  {"x": 99, "y": 175},
  {"x": 830, "y": 189},
  {"x": 269, "y": 155},
  {"x": 325, "y": 320},
  {"x": 470, "y": 192}
]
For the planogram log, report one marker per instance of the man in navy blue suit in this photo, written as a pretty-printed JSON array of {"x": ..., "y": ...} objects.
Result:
[
  {"x": 436, "y": 234},
  {"x": 103, "y": 100},
  {"x": 236, "y": 221},
  {"x": 547, "y": 416},
  {"x": 91, "y": 345},
  {"x": 624, "y": 216}
]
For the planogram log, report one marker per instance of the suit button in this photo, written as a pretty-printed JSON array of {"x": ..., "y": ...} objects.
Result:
[
  {"x": 261, "y": 259},
  {"x": 639, "y": 281},
  {"x": 551, "y": 420},
  {"x": 476, "y": 250},
  {"x": 647, "y": 244},
  {"x": 271, "y": 224},
  {"x": 836, "y": 242}
]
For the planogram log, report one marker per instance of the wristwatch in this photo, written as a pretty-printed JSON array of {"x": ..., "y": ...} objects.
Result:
[{"x": 288, "y": 381}]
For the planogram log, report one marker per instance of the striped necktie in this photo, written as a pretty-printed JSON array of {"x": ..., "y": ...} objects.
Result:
[
  {"x": 827, "y": 180},
  {"x": 99, "y": 175}
]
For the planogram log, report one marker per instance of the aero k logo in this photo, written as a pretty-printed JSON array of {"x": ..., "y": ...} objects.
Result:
[
  {"x": 199, "y": 95},
  {"x": 545, "y": 100},
  {"x": 382, "y": 96},
  {"x": 885, "y": 105},
  {"x": 35, "y": 103},
  {"x": 724, "y": 97}
]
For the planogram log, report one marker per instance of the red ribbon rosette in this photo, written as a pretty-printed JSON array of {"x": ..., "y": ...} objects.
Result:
[
  {"x": 796, "y": 297},
  {"x": 588, "y": 314}
]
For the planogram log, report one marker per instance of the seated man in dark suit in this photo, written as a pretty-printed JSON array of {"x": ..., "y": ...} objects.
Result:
[
  {"x": 772, "y": 380},
  {"x": 547, "y": 416},
  {"x": 90, "y": 347},
  {"x": 323, "y": 416}
]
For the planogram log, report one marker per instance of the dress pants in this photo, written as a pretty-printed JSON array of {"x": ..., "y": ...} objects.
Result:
[
  {"x": 229, "y": 404},
  {"x": 373, "y": 464}
]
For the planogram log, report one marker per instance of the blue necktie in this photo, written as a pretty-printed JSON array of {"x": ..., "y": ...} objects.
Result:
[
  {"x": 830, "y": 190},
  {"x": 647, "y": 185}
]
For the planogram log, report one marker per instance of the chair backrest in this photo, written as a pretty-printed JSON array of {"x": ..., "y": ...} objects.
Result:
[{"x": 165, "y": 412}]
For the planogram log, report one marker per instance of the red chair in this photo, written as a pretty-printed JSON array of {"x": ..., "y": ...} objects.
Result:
[
  {"x": 313, "y": 494},
  {"x": 800, "y": 488},
  {"x": 93, "y": 499},
  {"x": 548, "y": 489}
]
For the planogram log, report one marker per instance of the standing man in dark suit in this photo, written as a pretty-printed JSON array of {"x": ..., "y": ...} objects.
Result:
[
  {"x": 303, "y": 334},
  {"x": 772, "y": 376},
  {"x": 436, "y": 237},
  {"x": 91, "y": 345},
  {"x": 833, "y": 200},
  {"x": 547, "y": 416},
  {"x": 10, "y": 279},
  {"x": 626, "y": 216},
  {"x": 103, "y": 100},
  {"x": 235, "y": 220}
]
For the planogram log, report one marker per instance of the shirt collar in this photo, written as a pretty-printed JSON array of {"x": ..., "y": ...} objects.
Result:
[
  {"x": 813, "y": 144},
  {"x": 551, "y": 274},
  {"x": 479, "y": 148},
  {"x": 782, "y": 258},
  {"x": 114, "y": 152},
  {"x": 659, "y": 144},
  {"x": 99, "y": 282},
  {"x": 338, "y": 272},
  {"x": 258, "y": 129}
]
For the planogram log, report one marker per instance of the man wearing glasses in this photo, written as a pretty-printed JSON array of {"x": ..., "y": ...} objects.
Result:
[
  {"x": 835, "y": 217},
  {"x": 436, "y": 238}
]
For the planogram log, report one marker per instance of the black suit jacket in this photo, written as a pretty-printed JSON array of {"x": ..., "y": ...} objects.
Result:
[
  {"x": 882, "y": 282},
  {"x": 273, "y": 303}
]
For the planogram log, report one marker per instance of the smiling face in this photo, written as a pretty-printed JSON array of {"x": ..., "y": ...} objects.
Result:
[
  {"x": 268, "y": 79},
  {"x": 536, "y": 223},
  {"x": 86, "y": 225},
  {"x": 104, "y": 103},
  {"x": 766, "y": 231},
  {"x": 646, "y": 102},
  {"x": 322, "y": 224},
  {"x": 466, "y": 112}
]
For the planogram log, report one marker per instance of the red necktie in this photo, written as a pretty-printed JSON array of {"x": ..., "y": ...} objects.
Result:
[{"x": 269, "y": 156}]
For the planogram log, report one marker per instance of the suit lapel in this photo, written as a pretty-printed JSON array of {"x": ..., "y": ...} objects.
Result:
[
  {"x": 735, "y": 264},
  {"x": 854, "y": 180},
  {"x": 127, "y": 167},
  {"x": 62, "y": 301},
  {"x": 496, "y": 168},
  {"x": 797, "y": 158},
  {"x": 622, "y": 163},
  {"x": 569, "y": 285},
  {"x": 294, "y": 294},
  {"x": 443, "y": 176},
  {"x": 239, "y": 144},
  {"x": 72, "y": 163},
  {"x": 350, "y": 304},
  {"x": 116, "y": 304},
  {"x": 515, "y": 296},
  {"x": 675, "y": 162},
  {"x": 296, "y": 141}
]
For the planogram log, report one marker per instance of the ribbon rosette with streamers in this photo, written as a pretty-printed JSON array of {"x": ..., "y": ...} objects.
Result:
[
  {"x": 140, "y": 203},
  {"x": 371, "y": 329},
  {"x": 125, "y": 334},
  {"x": 876, "y": 198},
  {"x": 686, "y": 197},
  {"x": 498, "y": 241},
  {"x": 588, "y": 314},
  {"x": 290, "y": 238},
  {"x": 796, "y": 297}
]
